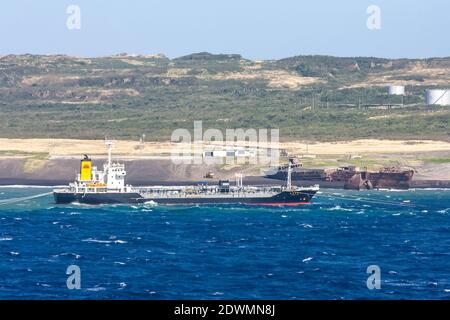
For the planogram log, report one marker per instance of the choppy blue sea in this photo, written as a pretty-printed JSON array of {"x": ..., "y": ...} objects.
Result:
[{"x": 320, "y": 251}]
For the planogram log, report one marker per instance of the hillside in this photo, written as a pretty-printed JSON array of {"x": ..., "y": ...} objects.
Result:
[{"x": 125, "y": 96}]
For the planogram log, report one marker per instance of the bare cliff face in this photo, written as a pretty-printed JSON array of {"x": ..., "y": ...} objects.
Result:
[{"x": 139, "y": 172}]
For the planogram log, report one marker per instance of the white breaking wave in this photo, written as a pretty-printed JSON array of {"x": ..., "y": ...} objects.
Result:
[
  {"x": 75, "y": 255},
  {"x": 428, "y": 189},
  {"x": 14, "y": 200},
  {"x": 97, "y": 241},
  {"x": 339, "y": 208},
  {"x": 21, "y": 186},
  {"x": 393, "y": 190},
  {"x": 103, "y": 241},
  {"x": 96, "y": 289}
]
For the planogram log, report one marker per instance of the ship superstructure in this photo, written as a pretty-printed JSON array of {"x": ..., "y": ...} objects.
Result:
[
  {"x": 111, "y": 179},
  {"x": 93, "y": 186}
]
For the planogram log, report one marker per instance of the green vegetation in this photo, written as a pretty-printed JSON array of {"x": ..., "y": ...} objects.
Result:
[
  {"x": 124, "y": 97},
  {"x": 18, "y": 153}
]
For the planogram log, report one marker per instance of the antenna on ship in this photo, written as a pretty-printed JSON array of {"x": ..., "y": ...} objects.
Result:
[{"x": 110, "y": 145}]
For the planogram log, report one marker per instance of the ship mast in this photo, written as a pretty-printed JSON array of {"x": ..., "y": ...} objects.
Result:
[
  {"x": 289, "y": 175},
  {"x": 110, "y": 145}
]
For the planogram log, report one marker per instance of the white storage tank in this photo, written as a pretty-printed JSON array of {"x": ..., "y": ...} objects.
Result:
[
  {"x": 397, "y": 90},
  {"x": 440, "y": 97}
]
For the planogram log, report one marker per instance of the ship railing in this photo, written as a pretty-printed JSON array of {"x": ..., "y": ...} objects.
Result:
[
  {"x": 239, "y": 193},
  {"x": 206, "y": 190},
  {"x": 217, "y": 195}
]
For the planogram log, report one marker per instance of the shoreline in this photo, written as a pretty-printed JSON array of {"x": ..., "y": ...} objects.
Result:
[
  {"x": 46, "y": 162},
  {"x": 251, "y": 180}
]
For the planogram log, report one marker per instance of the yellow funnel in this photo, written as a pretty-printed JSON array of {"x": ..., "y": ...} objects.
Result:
[{"x": 86, "y": 169}]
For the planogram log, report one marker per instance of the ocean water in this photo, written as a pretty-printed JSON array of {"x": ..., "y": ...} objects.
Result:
[{"x": 319, "y": 251}]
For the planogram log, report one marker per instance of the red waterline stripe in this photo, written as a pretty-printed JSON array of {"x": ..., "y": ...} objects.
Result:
[{"x": 277, "y": 204}]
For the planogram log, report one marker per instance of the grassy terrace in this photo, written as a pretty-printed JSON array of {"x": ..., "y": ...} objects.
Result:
[
  {"x": 32, "y": 160},
  {"x": 437, "y": 160},
  {"x": 89, "y": 122}
]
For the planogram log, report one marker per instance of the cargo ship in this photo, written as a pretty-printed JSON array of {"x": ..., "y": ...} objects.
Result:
[
  {"x": 349, "y": 177},
  {"x": 93, "y": 186}
]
